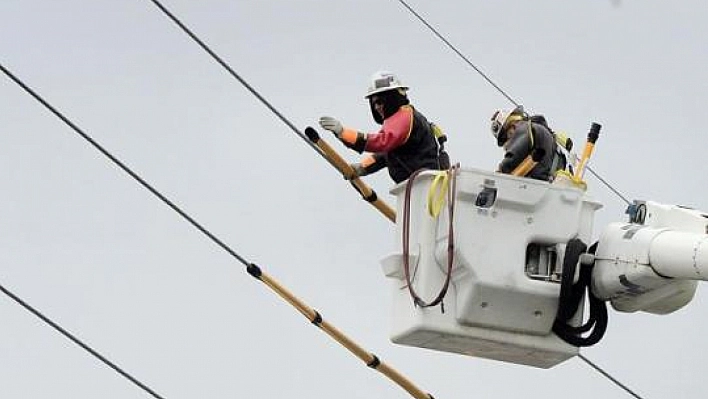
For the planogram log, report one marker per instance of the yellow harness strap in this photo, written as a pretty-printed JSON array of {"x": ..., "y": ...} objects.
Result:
[
  {"x": 437, "y": 192},
  {"x": 528, "y": 163}
]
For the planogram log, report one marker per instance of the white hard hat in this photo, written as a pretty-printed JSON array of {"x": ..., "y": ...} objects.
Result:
[
  {"x": 501, "y": 118},
  {"x": 498, "y": 119},
  {"x": 384, "y": 81}
]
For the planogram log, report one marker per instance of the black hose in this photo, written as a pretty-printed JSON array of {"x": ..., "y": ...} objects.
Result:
[{"x": 571, "y": 296}]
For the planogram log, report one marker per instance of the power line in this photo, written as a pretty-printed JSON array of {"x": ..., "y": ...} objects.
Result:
[
  {"x": 606, "y": 374},
  {"x": 121, "y": 165},
  {"x": 238, "y": 77},
  {"x": 608, "y": 185},
  {"x": 489, "y": 80},
  {"x": 313, "y": 316},
  {"x": 78, "y": 341},
  {"x": 453, "y": 48}
]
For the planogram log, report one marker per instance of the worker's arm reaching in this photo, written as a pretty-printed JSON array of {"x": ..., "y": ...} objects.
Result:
[
  {"x": 394, "y": 132},
  {"x": 371, "y": 163}
]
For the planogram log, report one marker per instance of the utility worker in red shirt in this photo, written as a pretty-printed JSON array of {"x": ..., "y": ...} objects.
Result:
[{"x": 406, "y": 141}]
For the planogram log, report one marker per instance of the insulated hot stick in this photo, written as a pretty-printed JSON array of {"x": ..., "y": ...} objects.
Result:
[
  {"x": 529, "y": 162},
  {"x": 587, "y": 152},
  {"x": 348, "y": 172}
]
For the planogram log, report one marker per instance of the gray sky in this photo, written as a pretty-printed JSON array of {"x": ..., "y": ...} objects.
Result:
[{"x": 94, "y": 251}]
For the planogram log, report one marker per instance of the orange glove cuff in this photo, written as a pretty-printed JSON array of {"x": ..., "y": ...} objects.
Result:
[{"x": 349, "y": 135}]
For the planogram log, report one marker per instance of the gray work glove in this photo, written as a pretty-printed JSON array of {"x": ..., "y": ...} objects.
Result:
[
  {"x": 331, "y": 124},
  {"x": 359, "y": 170}
]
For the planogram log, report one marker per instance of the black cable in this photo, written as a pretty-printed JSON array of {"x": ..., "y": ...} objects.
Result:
[
  {"x": 608, "y": 185},
  {"x": 142, "y": 182},
  {"x": 464, "y": 58},
  {"x": 139, "y": 180},
  {"x": 80, "y": 343},
  {"x": 238, "y": 77},
  {"x": 453, "y": 48},
  {"x": 606, "y": 374},
  {"x": 124, "y": 167}
]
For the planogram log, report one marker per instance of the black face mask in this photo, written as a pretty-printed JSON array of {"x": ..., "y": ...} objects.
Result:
[
  {"x": 392, "y": 100},
  {"x": 503, "y": 136}
]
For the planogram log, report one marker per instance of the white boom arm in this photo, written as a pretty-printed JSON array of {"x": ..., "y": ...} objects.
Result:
[{"x": 652, "y": 263}]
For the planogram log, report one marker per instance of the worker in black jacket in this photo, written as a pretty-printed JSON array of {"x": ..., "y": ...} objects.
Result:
[
  {"x": 529, "y": 147},
  {"x": 406, "y": 141}
]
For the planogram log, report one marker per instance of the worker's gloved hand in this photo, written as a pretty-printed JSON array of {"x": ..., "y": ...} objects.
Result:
[
  {"x": 331, "y": 124},
  {"x": 359, "y": 170}
]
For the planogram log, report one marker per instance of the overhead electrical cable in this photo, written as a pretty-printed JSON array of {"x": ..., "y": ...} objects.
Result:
[
  {"x": 453, "y": 48},
  {"x": 238, "y": 77},
  {"x": 491, "y": 82},
  {"x": 313, "y": 316},
  {"x": 79, "y": 342},
  {"x": 606, "y": 374},
  {"x": 628, "y": 202}
]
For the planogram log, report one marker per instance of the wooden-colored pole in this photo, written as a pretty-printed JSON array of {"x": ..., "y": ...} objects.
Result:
[
  {"x": 348, "y": 172},
  {"x": 315, "y": 318}
]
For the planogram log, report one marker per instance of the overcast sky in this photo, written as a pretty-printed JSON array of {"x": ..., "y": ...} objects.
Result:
[{"x": 101, "y": 256}]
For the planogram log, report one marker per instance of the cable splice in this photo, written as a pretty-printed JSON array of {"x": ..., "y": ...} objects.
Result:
[
  {"x": 254, "y": 270},
  {"x": 317, "y": 320},
  {"x": 375, "y": 362},
  {"x": 372, "y": 197}
]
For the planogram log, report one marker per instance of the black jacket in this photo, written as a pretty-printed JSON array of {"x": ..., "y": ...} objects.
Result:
[
  {"x": 420, "y": 150},
  {"x": 526, "y": 137}
]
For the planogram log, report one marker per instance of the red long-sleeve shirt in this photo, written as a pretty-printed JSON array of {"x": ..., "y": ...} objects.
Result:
[{"x": 394, "y": 132}]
